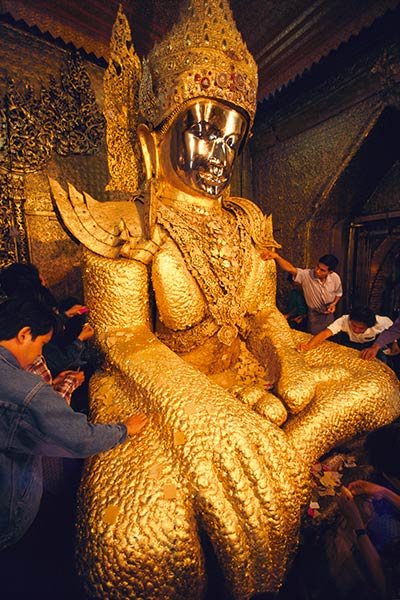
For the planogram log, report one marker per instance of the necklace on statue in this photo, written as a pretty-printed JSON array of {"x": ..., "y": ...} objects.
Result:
[{"x": 216, "y": 249}]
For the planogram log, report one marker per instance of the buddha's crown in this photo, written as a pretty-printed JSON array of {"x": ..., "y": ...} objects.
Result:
[{"x": 204, "y": 55}]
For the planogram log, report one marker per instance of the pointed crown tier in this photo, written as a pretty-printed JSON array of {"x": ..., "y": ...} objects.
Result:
[{"x": 204, "y": 55}]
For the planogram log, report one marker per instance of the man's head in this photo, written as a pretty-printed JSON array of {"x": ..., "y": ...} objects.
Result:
[
  {"x": 23, "y": 280},
  {"x": 25, "y": 327},
  {"x": 326, "y": 264},
  {"x": 361, "y": 318}
]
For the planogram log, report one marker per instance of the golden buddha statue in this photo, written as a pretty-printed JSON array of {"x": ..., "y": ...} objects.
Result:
[{"x": 185, "y": 314}]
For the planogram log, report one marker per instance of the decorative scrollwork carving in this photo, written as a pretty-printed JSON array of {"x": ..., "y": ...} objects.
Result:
[
  {"x": 63, "y": 117},
  {"x": 13, "y": 238},
  {"x": 79, "y": 125},
  {"x": 27, "y": 138}
]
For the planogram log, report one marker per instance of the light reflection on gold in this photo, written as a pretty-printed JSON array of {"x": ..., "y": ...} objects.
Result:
[{"x": 203, "y": 145}]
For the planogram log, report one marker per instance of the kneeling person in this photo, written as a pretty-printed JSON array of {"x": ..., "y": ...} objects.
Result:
[
  {"x": 358, "y": 330},
  {"x": 35, "y": 420}
]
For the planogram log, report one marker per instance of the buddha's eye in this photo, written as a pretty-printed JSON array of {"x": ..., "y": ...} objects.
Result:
[
  {"x": 232, "y": 141},
  {"x": 204, "y": 131}
]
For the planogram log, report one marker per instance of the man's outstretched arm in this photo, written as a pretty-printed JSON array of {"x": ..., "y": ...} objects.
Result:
[{"x": 282, "y": 262}]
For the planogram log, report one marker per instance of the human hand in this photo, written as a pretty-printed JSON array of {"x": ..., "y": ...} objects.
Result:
[
  {"x": 76, "y": 309},
  {"x": 135, "y": 423},
  {"x": 394, "y": 348},
  {"x": 331, "y": 309},
  {"x": 79, "y": 377},
  {"x": 349, "y": 509},
  {"x": 268, "y": 254},
  {"x": 369, "y": 353},
  {"x": 303, "y": 346},
  {"x": 86, "y": 333},
  {"x": 369, "y": 489}
]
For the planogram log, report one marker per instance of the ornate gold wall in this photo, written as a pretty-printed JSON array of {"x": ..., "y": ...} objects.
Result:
[
  {"x": 323, "y": 145},
  {"x": 51, "y": 123}
]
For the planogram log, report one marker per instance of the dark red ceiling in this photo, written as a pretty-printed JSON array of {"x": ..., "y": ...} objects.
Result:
[{"x": 285, "y": 36}]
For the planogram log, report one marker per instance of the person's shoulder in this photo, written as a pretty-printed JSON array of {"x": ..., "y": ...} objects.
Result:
[
  {"x": 335, "y": 280},
  {"x": 334, "y": 275},
  {"x": 383, "y": 320},
  {"x": 20, "y": 386},
  {"x": 9, "y": 366},
  {"x": 303, "y": 276},
  {"x": 342, "y": 319},
  {"x": 339, "y": 324}
]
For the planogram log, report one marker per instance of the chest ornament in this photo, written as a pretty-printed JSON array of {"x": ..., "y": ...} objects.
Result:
[{"x": 217, "y": 250}]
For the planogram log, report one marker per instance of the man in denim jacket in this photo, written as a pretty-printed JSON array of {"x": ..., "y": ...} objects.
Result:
[{"x": 35, "y": 421}]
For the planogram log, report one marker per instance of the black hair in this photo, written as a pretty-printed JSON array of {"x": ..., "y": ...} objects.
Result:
[
  {"x": 16, "y": 313},
  {"x": 329, "y": 260},
  {"x": 363, "y": 314},
  {"x": 22, "y": 280},
  {"x": 383, "y": 447}
]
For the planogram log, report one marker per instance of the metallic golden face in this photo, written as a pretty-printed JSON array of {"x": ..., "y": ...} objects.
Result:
[{"x": 204, "y": 142}]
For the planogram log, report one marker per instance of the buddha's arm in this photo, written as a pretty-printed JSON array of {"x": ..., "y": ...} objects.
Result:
[
  {"x": 331, "y": 395},
  {"x": 246, "y": 482},
  {"x": 357, "y": 398},
  {"x": 271, "y": 341}
]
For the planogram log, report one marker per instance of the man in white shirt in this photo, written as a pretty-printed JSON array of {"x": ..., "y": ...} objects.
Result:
[
  {"x": 359, "y": 329},
  {"x": 322, "y": 288}
]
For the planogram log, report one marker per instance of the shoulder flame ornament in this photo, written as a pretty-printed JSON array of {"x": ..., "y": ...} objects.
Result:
[{"x": 185, "y": 314}]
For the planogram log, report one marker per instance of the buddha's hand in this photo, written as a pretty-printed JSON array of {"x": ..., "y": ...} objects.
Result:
[
  {"x": 246, "y": 482},
  {"x": 273, "y": 340},
  {"x": 264, "y": 402},
  {"x": 247, "y": 485},
  {"x": 297, "y": 385}
]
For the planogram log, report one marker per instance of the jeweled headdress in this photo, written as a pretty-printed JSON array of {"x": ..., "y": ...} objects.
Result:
[{"x": 203, "y": 55}]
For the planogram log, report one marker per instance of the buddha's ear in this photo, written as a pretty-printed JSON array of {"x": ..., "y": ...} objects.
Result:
[{"x": 148, "y": 144}]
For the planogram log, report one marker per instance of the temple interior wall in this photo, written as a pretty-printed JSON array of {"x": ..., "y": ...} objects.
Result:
[
  {"x": 325, "y": 153},
  {"x": 41, "y": 138}
]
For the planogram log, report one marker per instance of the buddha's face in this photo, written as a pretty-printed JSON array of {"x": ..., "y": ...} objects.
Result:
[{"x": 204, "y": 142}]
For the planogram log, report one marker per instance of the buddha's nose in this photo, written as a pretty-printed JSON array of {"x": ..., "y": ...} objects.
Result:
[{"x": 219, "y": 153}]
